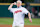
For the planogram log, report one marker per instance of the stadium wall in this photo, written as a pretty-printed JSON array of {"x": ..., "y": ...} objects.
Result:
[{"x": 4, "y": 12}]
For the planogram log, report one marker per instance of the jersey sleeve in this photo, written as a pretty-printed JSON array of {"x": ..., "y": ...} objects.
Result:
[
  {"x": 25, "y": 11},
  {"x": 11, "y": 9}
]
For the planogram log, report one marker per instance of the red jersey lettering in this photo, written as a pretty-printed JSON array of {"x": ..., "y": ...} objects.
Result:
[{"x": 18, "y": 11}]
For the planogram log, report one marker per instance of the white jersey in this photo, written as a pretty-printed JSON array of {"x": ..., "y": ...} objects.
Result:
[{"x": 18, "y": 14}]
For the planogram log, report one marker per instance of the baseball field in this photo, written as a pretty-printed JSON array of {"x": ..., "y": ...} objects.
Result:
[{"x": 7, "y": 22}]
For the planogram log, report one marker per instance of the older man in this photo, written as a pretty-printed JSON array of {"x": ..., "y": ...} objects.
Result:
[{"x": 19, "y": 14}]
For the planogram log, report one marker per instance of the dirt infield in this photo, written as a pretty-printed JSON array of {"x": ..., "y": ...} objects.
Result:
[{"x": 24, "y": 26}]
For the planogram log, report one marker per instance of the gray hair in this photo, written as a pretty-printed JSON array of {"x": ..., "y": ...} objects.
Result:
[{"x": 19, "y": 1}]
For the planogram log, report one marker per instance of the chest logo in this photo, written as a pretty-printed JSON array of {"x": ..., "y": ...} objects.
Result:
[{"x": 18, "y": 11}]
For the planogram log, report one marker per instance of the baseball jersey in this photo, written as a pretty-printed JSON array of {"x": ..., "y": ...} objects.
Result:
[{"x": 18, "y": 14}]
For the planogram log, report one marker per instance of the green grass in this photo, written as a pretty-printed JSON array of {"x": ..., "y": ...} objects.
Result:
[
  {"x": 34, "y": 22},
  {"x": 9, "y": 21}
]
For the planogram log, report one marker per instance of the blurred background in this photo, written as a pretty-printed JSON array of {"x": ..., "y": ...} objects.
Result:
[{"x": 33, "y": 7}]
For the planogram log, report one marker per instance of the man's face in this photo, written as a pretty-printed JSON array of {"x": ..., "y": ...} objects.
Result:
[{"x": 18, "y": 4}]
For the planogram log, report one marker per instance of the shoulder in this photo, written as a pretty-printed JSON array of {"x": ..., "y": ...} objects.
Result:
[{"x": 23, "y": 7}]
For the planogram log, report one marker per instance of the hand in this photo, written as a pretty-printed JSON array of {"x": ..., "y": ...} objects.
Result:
[
  {"x": 14, "y": 3},
  {"x": 30, "y": 20}
]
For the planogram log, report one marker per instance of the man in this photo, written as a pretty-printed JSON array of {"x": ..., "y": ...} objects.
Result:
[{"x": 19, "y": 14}]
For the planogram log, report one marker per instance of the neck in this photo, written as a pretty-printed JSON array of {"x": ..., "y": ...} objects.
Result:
[{"x": 18, "y": 6}]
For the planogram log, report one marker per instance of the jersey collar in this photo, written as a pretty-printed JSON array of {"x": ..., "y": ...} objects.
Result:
[{"x": 19, "y": 7}]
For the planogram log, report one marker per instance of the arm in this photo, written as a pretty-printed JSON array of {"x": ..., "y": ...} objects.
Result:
[
  {"x": 29, "y": 15},
  {"x": 11, "y": 5}
]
